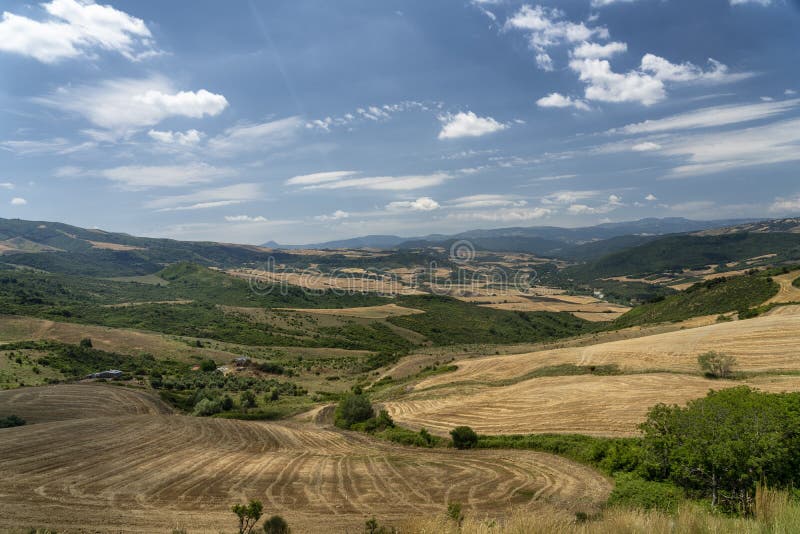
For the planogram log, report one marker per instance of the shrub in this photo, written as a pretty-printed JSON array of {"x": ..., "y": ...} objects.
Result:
[
  {"x": 11, "y": 421},
  {"x": 248, "y": 399},
  {"x": 208, "y": 365},
  {"x": 86, "y": 343},
  {"x": 464, "y": 437},
  {"x": 248, "y": 515},
  {"x": 207, "y": 407},
  {"x": 276, "y": 525},
  {"x": 354, "y": 408},
  {"x": 633, "y": 491},
  {"x": 716, "y": 365},
  {"x": 454, "y": 512}
]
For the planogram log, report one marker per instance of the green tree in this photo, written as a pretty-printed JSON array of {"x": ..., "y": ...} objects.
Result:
[
  {"x": 351, "y": 410},
  {"x": 248, "y": 399},
  {"x": 464, "y": 437},
  {"x": 208, "y": 366},
  {"x": 723, "y": 445},
  {"x": 716, "y": 365},
  {"x": 248, "y": 515},
  {"x": 86, "y": 343},
  {"x": 276, "y": 525}
]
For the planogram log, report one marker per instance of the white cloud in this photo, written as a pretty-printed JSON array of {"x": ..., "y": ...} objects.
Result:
[
  {"x": 651, "y": 198},
  {"x": 144, "y": 177},
  {"x": 371, "y": 114},
  {"x": 57, "y": 145},
  {"x": 501, "y": 215},
  {"x": 125, "y": 105},
  {"x": 557, "y": 100},
  {"x": 743, "y": 2},
  {"x": 17, "y": 201},
  {"x": 335, "y": 216},
  {"x": 786, "y": 205},
  {"x": 603, "y": 3},
  {"x": 256, "y": 137},
  {"x": 187, "y": 138},
  {"x": 647, "y": 146},
  {"x": 208, "y": 198},
  {"x": 385, "y": 183},
  {"x": 568, "y": 197},
  {"x": 246, "y": 218},
  {"x": 486, "y": 201},
  {"x": 319, "y": 177},
  {"x": 6, "y": 185},
  {"x": 468, "y": 124},
  {"x": 605, "y": 85},
  {"x": 588, "y": 50},
  {"x": 713, "y": 116},
  {"x": 421, "y": 204},
  {"x": 610, "y": 205},
  {"x": 546, "y": 29},
  {"x": 664, "y": 70},
  {"x": 75, "y": 28},
  {"x": 778, "y": 142},
  {"x": 790, "y": 92}
]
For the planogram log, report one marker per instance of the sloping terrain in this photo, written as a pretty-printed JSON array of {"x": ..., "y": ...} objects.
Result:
[
  {"x": 586, "y": 404},
  {"x": 153, "y": 473}
]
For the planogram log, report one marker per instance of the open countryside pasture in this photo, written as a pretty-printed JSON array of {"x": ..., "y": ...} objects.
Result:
[
  {"x": 585, "y": 404},
  {"x": 152, "y": 473},
  {"x": 761, "y": 344}
]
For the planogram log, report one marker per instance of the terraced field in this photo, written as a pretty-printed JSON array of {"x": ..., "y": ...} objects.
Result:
[
  {"x": 152, "y": 473},
  {"x": 586, "y": 404},
  {"x": 762, "y": 344}
]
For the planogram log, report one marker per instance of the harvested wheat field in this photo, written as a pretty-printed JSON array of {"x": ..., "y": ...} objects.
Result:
[
  {"x": 585, "y": 404},
  {"x": 766, "y": 343},
  {"x": 787, "y": 292},
  {"x": 366, "y": 312},
  {"x": 78, "y": 401},
  {"x": 153, "y": 473}
]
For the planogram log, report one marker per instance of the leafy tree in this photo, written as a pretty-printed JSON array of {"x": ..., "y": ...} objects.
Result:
[
  {"x": 716, "y": 365},
  {"x": 248, "y": 515},
  {"x": 11, "y": 421},
  {"x": 227, "y": 403},
  {"x": 464, "y": 437},
  {"x": 276, "y": 525},
  {"x": 248, "y": 399},
  {"x": 86, "y": 343},
  {"x": 723, "y": 445},
  {"x": 207, "y": 407},
  {"x": 208, "y": 366},
  {"x": 351, "y": 410}
]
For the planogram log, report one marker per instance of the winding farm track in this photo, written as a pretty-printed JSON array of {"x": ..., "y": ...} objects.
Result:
[
  {"x": 153, "y": 472},
  {"x": 788, "y": 292}
]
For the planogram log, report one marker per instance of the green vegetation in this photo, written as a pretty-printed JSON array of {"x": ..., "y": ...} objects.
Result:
[
  {"x": 717, "y": 296},
  {"x": 354, "y": 408},
  {"x": 11, "y": 421},
  {"x": 722, "y": 446},
  {"x": 679, "y": 252},
  {"x": 464, "y": 437},
  {"x": 449, "y": 321},
  {"x": 716, "y": 365},
  {"x": 248, "y": 515}
]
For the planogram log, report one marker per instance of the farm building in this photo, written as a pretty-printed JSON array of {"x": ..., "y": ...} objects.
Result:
[{"x": 111, "y": 373}]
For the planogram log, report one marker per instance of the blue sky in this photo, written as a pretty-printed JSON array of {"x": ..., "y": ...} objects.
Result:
[{"x": 302, "y": 121}]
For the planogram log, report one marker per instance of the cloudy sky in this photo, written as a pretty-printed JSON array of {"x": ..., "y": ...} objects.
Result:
[{"x": 301, "y": 121}]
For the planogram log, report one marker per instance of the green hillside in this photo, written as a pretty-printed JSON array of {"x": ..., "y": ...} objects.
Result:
[{"x": 716, "y": 296}]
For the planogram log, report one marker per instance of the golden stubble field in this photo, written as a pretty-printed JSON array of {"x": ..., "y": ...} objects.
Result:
[
  {"x": 102, "y": 468},
  {"x": 498, "y": 395}
]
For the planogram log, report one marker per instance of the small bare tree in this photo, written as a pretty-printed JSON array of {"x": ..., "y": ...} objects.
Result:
[{"x": 716, "y": 364}]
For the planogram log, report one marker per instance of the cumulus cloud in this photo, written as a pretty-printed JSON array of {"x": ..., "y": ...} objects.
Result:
[
  {"x": 6, "y": 185},
  {"x": 335, "y": 216},
  {"x": 421, "y": 204},
  {"x": 122, "y": 106},
  {"x": 187, "y": 138},
  {"x": 588, "y": 50},
  {"x": 786, "y": 205},
  {"x": 75, "y": 28},
  {"x": 137, "y": 177},
  {"x": 664, "y": 70},
  {"x": 613, "y": 202},
  {"x": 651, "y": 198},
  {"x": 468, "y": 124},
  {"x": 17, "y": 201},
  {"x": 557, "y": 100},
  {"x": 547, "y": 28}
]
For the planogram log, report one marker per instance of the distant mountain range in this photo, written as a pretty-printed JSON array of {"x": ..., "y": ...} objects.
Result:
[{"x": 546, "y": 240}]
